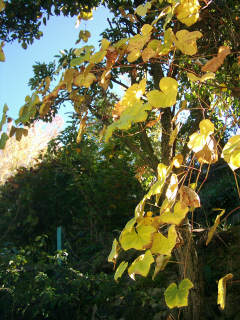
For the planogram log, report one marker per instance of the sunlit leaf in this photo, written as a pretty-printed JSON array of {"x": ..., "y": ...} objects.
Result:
[
  {"x": 167, "y": 96},
  {"x": 178, "y": 160},
  {"x": 136, "y": 238},
  {"x": 174, "y": 134},
  {"x": 134, "y": 93},
  {"x": 142, "y": 9},
  {"x": 231, "y": 152},
  {"x": 161, "y": 262},
  {"x": 207, "y": 76},
  {"x": 176, "y": 217},
  {"x": 187, "y": 41},
  {"x": 97, "y": 57},
  {"x": 122, "y": 267},
  {"x": 114, "y": 252},
  {"x": 189, "y": 198},
  {"x": 213, "y": 64},
  {"x": 141, "y": 265},
  {"x": 188, "y": 12},
  {"x": 213, "y": 229},
  {"x": 135, "y": 113},
  {"x": 178, "y": 296},
  {"x": 164, "y": 245},
  {"x": 222, "y": 290}
]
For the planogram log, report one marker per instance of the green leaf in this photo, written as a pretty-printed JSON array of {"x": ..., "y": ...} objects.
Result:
[
  {"x": 24, "y": 45},
  {"x": 122, "y": 267},
  {"x": 3, "y": 140},
  {"x": 175, "y": 297}
]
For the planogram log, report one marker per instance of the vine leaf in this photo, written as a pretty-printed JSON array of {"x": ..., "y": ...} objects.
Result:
[
  {"x": 198, "y": 140},
  {"x": 3, "y": 140},
  {"x": 121, "y": 268},
  {"x": 231, "y": 152},
  {"x": 216, "y": 62},
  {"x": 222, "y": 290},
  {"x": 141, "y": 265},
  {"x": 175, "y": 217},
  {"x": 114, "y": 252},
  {"x": 2, "y": 56},
  {"x": 178, "y": 296},
  {"x": 165, "y": 245},
  {"x": 213, "y": 229},
  {"x": 167, "y": 97},
  {"x": 189, "y": 198},
  {"x": 188, "y": 12},
  {"x": 135, "y": 113},
  {"x": 207, "y": 76},
  {"x": 173, "y": 135},
  {"x": 187, "y": 41},
  {"x": 161, "y": 263},
  {"x": 143, "y": 9},
  {"x": 136, "y": 238}
]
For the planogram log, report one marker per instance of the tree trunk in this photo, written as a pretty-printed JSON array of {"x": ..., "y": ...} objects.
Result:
[{"x": 187, "y": 253}]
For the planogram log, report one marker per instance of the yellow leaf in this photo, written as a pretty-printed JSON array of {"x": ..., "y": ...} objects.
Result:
[
  {"x": 178, "y": 296},
  {"x": 142, "y": 9},
  {"x": 186, "y": 41},
  {"x": 147, "y": 54},
  {"x": 198, "y": 141},
  {"x": 104, "y": 44},
  {"x": 224, "y": 87},
  {"x": 213, "y": 229},
  {"x": 141, "y": 265},
  {"x": 134, "y": 55},
  {"x": 178, "y": 160},
  {"x": 222, "y": 290},
  {"x": 137, "y": 239},
  {"x": 206, "y": 127},
  {"x": 188, "y": 12},
  {"x": 167, "y": 44},
  {"x": 114, "y": 252},
  {"x": 122, "y": 267},
  {"x": 164, "y": 245},
  {"x": 134, "y": 93},
  {"x": 2, "y": 56},
  {"x": 176, "y": 217},
  {"x": 172, "y": 188},
  {"x": 167, "y": 97},
  {"x": 81, "y": 128},
  {"x": 135, "y": 113},
  {"x": 82, "y": 81},
  {"x": 146, "y": 29},
  {"x": 231, "y": 152},
  {"x": 205, "y": 77},
  {"x": 2, "y": 6},
  {"x": 97, "y": 57},
  {"x": 173, "y": 135},
  {"x": 161, "y": 263},
  {"x": 208, "y": 154}
]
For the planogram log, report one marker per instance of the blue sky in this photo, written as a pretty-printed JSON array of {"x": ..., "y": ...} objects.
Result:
[{"x": 59, "y": 34}]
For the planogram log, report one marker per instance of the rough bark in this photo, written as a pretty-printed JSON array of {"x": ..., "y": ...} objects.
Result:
[{"x": 186, "y": 253}]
